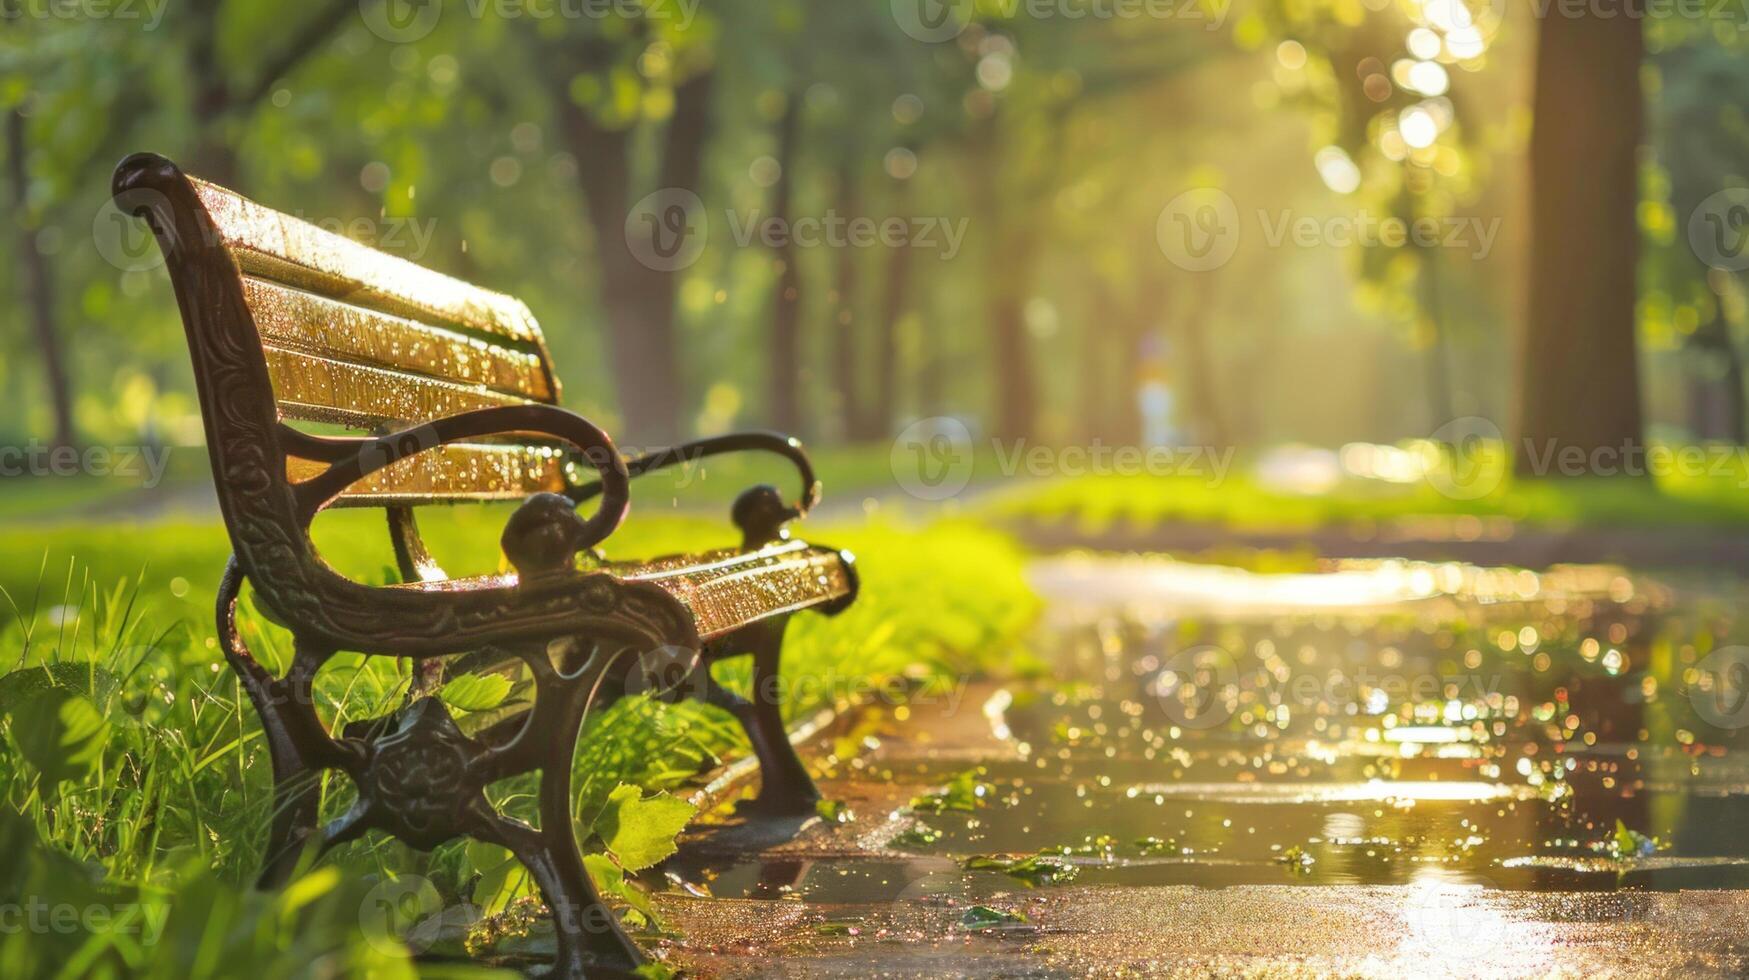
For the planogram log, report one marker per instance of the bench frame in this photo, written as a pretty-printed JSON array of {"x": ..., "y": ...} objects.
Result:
[{"x": 581, "y": 635}]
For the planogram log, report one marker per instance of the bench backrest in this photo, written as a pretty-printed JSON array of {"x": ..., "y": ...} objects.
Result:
[
  {"x": 372, "y": 342},
  {"x": 288, "y": 323}
]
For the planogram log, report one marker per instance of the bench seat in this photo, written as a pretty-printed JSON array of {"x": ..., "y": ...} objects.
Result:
[{"x": 724, "y": 590}]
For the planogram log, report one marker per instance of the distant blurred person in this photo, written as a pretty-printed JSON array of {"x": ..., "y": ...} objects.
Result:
[{"x": 1155, "y": 398}]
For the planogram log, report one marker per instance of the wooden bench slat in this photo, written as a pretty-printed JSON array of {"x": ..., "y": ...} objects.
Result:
[
  {"x": 455, "y": 473},
  {"x": 278, "y": 246},
  {"x": 741, "y": 588},
  {"x": 311, "y": 388},
  {"x": 725, "y": 590},
  {"x": 291, "y": 318}
]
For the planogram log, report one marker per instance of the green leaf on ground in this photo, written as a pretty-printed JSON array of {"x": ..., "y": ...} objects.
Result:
[
  {"x": 96, "y": 683},
  {"x": 640, "y": 831},
  {"x": 917, "y": 835},
  {"x": 834, "y": 811},
  {"x": 1296, "y": 860},
  {"x": 963, "y": 792},
  {"x": 60, "y": 732},
  {"x": 610, "y": 880},
  {"x": 502, "y": 879},
  {"x": 1034, "y": 870},
  {"x": 476, "y": 692},
  {"x": 1628, "y": 844},
  {"x": 980, "y": 917}
]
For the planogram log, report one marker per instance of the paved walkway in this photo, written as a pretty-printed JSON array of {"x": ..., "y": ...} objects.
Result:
[
  {"x": 1418, "y": 859},
  {"x": 906, "y": 910}
]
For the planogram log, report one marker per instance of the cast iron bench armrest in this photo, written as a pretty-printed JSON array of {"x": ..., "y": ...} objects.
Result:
[
  {"x": 760, "y": 512},
  {"x": 353, "y": 459}
]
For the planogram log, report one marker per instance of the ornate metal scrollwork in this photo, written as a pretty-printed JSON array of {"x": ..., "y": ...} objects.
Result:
[{"x": 417, "y": 778}]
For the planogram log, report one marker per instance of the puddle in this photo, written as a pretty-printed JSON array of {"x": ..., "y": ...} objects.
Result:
[{"x": 1388, "y": 724}]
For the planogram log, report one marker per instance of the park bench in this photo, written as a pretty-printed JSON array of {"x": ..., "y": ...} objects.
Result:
[{"x": 444, "y": 392}]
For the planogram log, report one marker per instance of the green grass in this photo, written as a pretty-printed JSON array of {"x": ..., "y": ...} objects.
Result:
[
  {"x": 141, "y": 780},
  {"x": 1240, "y": 501}
]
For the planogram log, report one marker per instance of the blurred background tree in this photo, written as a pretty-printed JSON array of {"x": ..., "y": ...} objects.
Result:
[{"x": 516, "y": 151}]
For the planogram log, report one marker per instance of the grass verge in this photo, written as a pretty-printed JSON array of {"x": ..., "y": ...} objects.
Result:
[
  {"x": 1240, "y": 500},
  {"x": 141, "y": 787}
]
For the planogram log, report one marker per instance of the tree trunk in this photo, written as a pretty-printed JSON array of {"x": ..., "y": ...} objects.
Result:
[
  {"x": 1009, "y": 267},
  {"x": 1439, "y": 355},
  {"x": 843, "y": 321},
  {"x": 1715, "y": 384},
  {"x": 1102, "y": 335},
  {"x": 1015, "y": 393},
  {"x": 37, "y": 283},
  {"x": 1196, "y": 376},
  {"x": 783, "y": 376},
  {"x": 213, "y": 157},
  {"x": 1579, "y": 384},
  {"x": 1732, "y": 383},
  {"x": 637, "y": 300},
  {"x": 219, "y": 100},
  {"x": 883, "y": 406}
]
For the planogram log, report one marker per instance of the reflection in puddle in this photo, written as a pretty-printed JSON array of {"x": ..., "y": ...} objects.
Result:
[{"x": 1450, "y": 728}]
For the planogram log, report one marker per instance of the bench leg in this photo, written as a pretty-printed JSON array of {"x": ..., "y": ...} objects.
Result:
[
  {"x": 785, "y": 788},
  {"x": 403, "y": 792},
  {"x": 290, "y": 725},
  {"x": 590, "y": 941},
  {"x": 294, "y": 823},
  {"x": 589, "y": 936}
]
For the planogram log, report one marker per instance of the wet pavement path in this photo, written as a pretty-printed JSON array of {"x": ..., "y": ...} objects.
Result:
[{"x": 1383, "y": 769}]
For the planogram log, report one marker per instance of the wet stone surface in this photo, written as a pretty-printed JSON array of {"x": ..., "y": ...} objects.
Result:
[{"x": 1439, "y": 769}]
